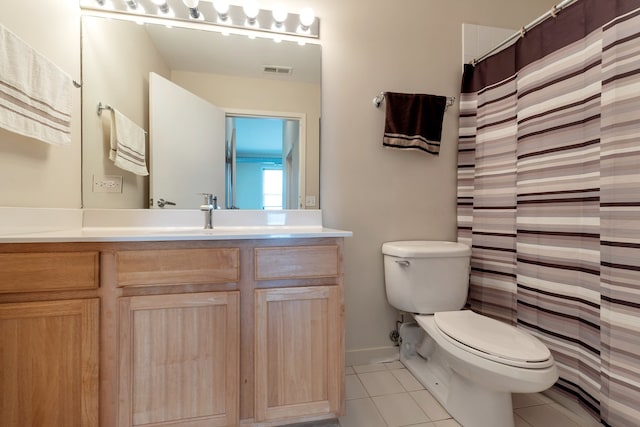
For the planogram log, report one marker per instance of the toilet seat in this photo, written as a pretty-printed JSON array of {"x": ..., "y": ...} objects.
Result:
[{"x": 492, "y": 339}]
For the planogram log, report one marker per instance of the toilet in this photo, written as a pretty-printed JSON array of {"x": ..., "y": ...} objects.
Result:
[{"x": 469, "y": 362}]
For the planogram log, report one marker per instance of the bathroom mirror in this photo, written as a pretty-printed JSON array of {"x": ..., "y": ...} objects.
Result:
[{"x": 253, "y": 78}]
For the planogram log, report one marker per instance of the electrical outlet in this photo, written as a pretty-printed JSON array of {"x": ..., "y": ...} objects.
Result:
[
  {"x": 107, "y": 184},
  {"x": 310, "y": 201}
]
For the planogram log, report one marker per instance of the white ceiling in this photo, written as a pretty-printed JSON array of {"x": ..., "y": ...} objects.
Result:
[{"x": 194, "y": 50}]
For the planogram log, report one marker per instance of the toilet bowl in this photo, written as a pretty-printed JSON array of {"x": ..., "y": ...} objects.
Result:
[{"x": 471, "y": 363}]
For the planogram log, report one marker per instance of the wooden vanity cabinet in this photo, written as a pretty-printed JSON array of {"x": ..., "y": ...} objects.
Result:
[
  {"x": 49, "y": 329},
  {"x": 299, "y": 348},
  {"x": 185, "y": 333},
  {"x": 280, "y": 299},
  {"x": 179, "y": 360},
  {"x": 297, "y": 352},
  {"x": 178, "y": 344}
]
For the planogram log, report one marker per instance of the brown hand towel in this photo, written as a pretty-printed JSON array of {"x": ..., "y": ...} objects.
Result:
[{"x": 414, "y": 121}]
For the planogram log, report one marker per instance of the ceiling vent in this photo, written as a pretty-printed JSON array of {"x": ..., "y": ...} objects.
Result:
[{"x": 277, "y": 69}]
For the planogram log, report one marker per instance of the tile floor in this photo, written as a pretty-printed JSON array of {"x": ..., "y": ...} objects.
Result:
[{"x": 387, "y": 395}]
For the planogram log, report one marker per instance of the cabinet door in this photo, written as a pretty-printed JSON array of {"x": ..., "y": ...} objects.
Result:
[
  {"x": 298, "y": 352},
  {"x": 179, "y": 360},
  {"x": 49, "y": 363}
]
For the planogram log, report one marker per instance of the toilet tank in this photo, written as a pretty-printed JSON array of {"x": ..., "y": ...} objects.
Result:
[{"x": 426, "y": 276}]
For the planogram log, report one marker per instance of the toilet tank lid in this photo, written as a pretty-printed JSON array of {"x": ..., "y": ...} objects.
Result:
[{"x": 426, "y": 249}]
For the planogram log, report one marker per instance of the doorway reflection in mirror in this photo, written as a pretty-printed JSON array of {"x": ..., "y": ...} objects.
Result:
[{"x": 263, "y": 166}]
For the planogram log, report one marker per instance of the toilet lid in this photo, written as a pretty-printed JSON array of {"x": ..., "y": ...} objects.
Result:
[{"x": 491, "y": 336}]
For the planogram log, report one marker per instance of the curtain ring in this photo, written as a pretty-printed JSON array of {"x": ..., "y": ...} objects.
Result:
[
  {"x": 554, "y": 11},
  {"x": 523, "y": 32}
]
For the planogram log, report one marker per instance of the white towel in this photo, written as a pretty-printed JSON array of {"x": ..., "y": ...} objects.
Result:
[
  {"x": 127, "y": 144},
  {"x": 35, "y": 94}
]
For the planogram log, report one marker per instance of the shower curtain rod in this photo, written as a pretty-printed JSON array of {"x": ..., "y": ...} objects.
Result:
[{"x": 552, "y": 13}]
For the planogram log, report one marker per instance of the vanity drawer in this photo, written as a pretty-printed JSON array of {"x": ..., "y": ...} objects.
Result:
[
  {"x": 180, "y": 266},
  {"x": 48, "y": 271},
  {"x": 296, "y": 262}
]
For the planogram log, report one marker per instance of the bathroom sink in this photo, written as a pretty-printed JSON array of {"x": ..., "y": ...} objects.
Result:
[
  {"x": 196, "y": 233},
  {"x": 105, "y": 225}
]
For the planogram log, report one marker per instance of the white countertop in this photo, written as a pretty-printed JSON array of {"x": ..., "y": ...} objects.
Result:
[{"x": 33, "y": 225}]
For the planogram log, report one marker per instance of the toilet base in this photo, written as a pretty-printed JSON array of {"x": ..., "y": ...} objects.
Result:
[
  {"x": 470, "y": 404},
  {"x": 478, "y": 407}
]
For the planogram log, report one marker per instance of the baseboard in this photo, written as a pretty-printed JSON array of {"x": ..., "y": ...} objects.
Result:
[
  {"x": 325, "y": 420},
  {"x": 366, "y": 356},
  {"x": 327, "y": 423}
]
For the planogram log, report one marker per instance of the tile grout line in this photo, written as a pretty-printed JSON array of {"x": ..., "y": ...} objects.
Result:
[
  {"x": 407, "y": 392},
  {"x": 375, "y": 405},
  {"x": 392, "y": 366}
]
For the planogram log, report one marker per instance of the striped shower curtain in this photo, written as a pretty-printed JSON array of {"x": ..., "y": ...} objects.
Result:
[{"x": 549, "y": 197}]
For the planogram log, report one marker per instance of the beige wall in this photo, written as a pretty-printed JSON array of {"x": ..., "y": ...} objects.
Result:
[
  {"x": 228, "y": 92},
  {"x": 385, "y": 194},
  {"x": 380, "y": 194},
  {"x": 34, "y": 173}
]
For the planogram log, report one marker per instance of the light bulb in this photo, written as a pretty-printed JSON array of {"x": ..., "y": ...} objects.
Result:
[
  {"x": 307, "y": 16},
  {"x": 162, "y": 6},
  {"x": 105, "y": 3},
  {"x": 194, "y": 13},
  {"x": 251, "y": 9},
  {"x": 221, "y": 6},
  {"x": 222, "y": 9},
  {"x": 280, "y": 13}
]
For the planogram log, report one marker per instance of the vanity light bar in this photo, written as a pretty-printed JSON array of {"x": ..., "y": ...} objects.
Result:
[{"x": 293, "y": 25}]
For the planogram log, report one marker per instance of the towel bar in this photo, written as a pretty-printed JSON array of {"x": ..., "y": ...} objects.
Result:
[
  {"x": 103, "y": 107},
  {"x": 380, "y": 97}
]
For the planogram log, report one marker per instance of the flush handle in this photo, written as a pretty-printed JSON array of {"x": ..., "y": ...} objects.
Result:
[{"x": 403, "y": 263}]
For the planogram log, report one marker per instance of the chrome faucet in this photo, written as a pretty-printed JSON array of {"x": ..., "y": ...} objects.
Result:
[{"x": 210, "y": 203}]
